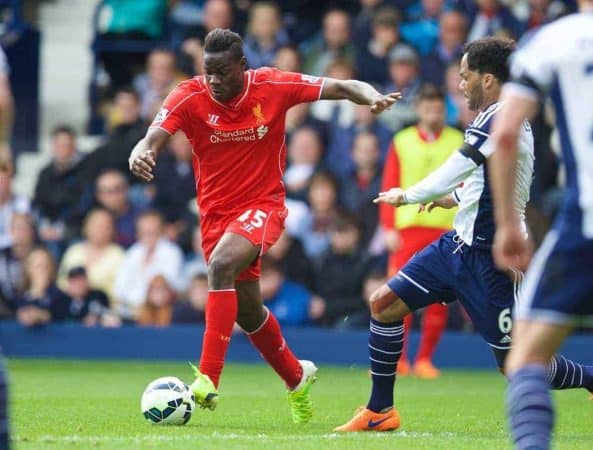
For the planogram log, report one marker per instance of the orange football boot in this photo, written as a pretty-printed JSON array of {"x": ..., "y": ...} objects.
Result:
[
  {"x": 425, "y": 369},
  {"x": 366, "y": 420},
  {"x": 403, "y": 368}
]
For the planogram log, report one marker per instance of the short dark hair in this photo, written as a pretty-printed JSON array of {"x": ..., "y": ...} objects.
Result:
[
  {"x": 386, "y": 16},
  {"x": 429, "y": 91},
  {"x": 222, "y": 40},
  {"x": 344, "y": 221},
  {"x": 490, "y": 55},
  {"x": 63, "y": 129},
  {"x": 128, "y": 90}
]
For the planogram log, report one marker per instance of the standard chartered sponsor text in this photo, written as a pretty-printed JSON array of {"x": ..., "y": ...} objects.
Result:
[{"x": 244, "y": 135}]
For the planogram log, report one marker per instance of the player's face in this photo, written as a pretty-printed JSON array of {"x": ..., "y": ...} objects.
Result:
[
  {"x": 471, "y": 85},
  {"x": 224, "y": 75}
]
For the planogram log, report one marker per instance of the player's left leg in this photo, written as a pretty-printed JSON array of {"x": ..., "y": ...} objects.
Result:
[
  {"x": 529, "y": 404},
  {"x": 265, "y": 334}
]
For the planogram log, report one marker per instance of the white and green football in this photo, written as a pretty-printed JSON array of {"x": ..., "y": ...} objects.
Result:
[{"x": 167, "y": 401}]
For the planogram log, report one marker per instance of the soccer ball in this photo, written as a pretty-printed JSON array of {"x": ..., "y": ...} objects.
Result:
[{"x": 168, "y": 401}]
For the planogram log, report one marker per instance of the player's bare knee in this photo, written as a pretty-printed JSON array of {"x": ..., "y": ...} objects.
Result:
[
  {"x": 385, "y": 306},
  {"x": 221, "y": 271}
]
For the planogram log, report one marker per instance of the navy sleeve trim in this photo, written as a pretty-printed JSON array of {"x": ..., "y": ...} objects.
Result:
[{"x": 473, "y": 153}]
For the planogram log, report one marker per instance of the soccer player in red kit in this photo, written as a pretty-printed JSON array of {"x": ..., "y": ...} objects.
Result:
[{"x": 234, "y": 119}]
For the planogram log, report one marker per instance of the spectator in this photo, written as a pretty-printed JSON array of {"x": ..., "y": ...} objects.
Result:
[
  {"x": 128, "y": 129},
  {"x": 371, "y": 60},
  {"x": 452, "y": 31},
  {"x": 288, "y": 254},
  {"x": 323, "y": 202},
  {"x": 540, "y": 12},
  {"x": 62, "y": 195},
  {"x": 333, "y": 43},
  {"x": 421, "y": 29},
  {"x": 154, "y": 85},
  {"x": 298, "y": 117},
  {"x": 338, "y": 156},
  {"x": 157, "y": 309},
  {"x": 304, "y": 155},
  {"x": 361, "y": 186},
  {"x": 195, "y": 263},
  {"x": 130, "y": 20},
  {"x": 404, "y": 71},
  {"x": 12, "y": 260},
  {"x": 152, "y": 255},
  {"x": 112, "y": 195},
  {"x": 42, "y": 301},
  {"x": 174, "y": 180},
  {"x": 97, "y": 254},
  {"x": 492, "y": 18},
  {"x": 373, "y": 281},
  {"x": 192, "y": 310},
  {"x": 340, "y": 271},
  {"x": 10, "y": 203},
  {"x": 287, "y": 59},
  {"x": 6, "y": 108},
  {"x": 265, "y": 34},
  {"x": 363, "y": 20},
  {"x": 331, "y": 112},
  {"x": 290, "y": 302},
  {"x": 88, "y": 306}
]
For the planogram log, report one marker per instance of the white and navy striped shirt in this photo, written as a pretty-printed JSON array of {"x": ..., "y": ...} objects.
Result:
[
  {"x": 558, "y": 61},
  {"x": 474, "y": 221}
]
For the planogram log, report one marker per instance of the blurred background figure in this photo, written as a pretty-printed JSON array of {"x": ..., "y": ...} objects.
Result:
[
  {"x": 192, "y": 308},
  {"x": 6, "y": 108},
  {"x": 152, "y": 255},
  {"x": 289, "y": 301},
  {"x": 12, "y": 262},
  {"x": 265, "y": 35},
  {"x": 157, "y": 309},
  {"x": 42, "y": 302},
  {"x": 10, "y": 203},
  {"x": 305, "y": 153},
  {"x": 98, "y": 254},
  {"x": 111, "y": 193},
  {"x": 87, "y": 306}
]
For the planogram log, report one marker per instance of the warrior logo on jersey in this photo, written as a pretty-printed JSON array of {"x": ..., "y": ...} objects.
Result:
[
  {"x": 162, "y": 115},
  {"x": 259, "y": 115}
]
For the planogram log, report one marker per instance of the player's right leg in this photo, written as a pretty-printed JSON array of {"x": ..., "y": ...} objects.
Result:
[{"x": 230, "y": 256}]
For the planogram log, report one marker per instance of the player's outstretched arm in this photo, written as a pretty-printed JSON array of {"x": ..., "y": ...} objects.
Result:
[
  {"x": 439, "y": 183},
  {"x": 511, "y": 249},
  {"x": 145, "y": 153},
  {"x": 358, "y": 92}
]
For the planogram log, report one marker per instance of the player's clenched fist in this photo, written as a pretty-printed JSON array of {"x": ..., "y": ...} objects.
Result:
[
  {"x": 142, "y": 161},
  {"x": 384, "y": 102},
  {"x": 394, "y": 197}
]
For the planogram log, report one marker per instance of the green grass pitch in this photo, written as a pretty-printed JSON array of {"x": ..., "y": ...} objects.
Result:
[{"x": 95, "y": 405}]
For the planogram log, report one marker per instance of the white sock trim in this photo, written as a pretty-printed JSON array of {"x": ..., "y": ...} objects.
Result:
[
  {"x": 262, "y": 324},
  {"x": 222, "y": 290}
]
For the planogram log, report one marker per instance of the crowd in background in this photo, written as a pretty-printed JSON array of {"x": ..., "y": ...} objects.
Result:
[{"x": 97, "y": 246}]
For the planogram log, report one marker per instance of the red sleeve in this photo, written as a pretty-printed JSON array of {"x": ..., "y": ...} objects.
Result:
[
  {"x": 171, "y": 117},
  {"x": 295, "y": 87},
  {"x": 390, "y": 179}
]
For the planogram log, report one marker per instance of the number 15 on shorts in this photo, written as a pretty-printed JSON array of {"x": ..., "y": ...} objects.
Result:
[{"x": 252, "y": 219}]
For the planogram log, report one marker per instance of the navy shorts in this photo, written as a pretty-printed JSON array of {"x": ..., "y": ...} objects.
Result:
[
  {"x": 558, "y": 286},
  {"x": 448, "y": 270}
]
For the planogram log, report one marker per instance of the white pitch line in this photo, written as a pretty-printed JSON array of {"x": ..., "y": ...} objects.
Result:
[{"x": 216, "y": 435}]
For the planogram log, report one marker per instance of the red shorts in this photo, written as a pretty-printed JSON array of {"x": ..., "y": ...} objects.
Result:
[
  {"x": 413, "y": 240},
  {"x": 261, "y": 226}
]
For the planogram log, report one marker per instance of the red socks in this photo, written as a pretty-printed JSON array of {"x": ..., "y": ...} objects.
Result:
[
  {"x": 221, "y": 313},
  {"x": 408, "y": 323},
  {"x": 269, "y": 341},
  {"x": 433, "y": 325}
]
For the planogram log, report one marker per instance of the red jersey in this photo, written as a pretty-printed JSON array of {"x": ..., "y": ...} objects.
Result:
[{"x": 239, "y": 151}]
